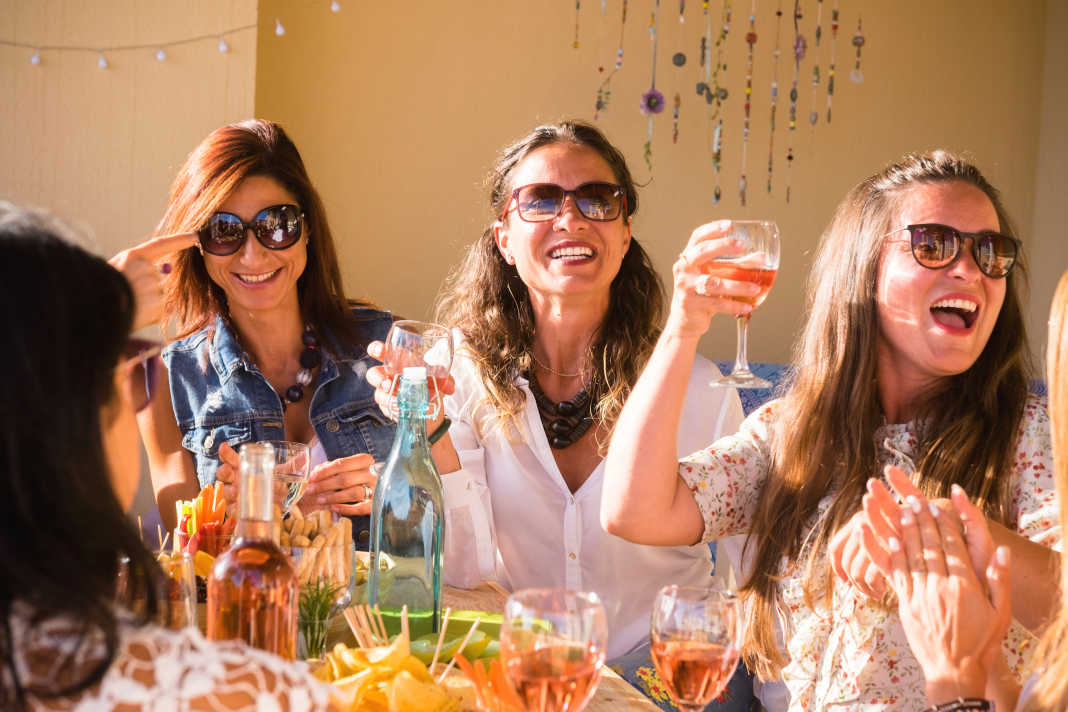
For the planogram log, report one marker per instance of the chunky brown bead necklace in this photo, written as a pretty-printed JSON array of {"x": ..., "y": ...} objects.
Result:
[{"x": 564, "y": 422}]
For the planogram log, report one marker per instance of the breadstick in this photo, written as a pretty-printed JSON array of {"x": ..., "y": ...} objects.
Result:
[
  {"x": 346, "y": 550},
  {"x": 311, "y": 553},
  {"x": 330, "y": 548}
]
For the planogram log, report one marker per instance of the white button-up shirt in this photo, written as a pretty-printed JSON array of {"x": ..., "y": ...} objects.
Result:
[{"x": 510, "y": 516}]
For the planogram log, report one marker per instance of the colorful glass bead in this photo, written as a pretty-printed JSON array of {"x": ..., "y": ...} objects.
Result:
[{"x": 678, "y": 59}]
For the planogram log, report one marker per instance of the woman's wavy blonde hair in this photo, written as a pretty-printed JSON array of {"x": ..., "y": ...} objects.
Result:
[
  {"x": 1051, "y": 692},
  {"x": 487, "y": 301},
  {"x": 823, "y": 444}
]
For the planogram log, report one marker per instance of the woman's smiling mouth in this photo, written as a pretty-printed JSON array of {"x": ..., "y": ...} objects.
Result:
[
  {"x": 256, "y": 278},
  {"x": 955, "y": 313}
]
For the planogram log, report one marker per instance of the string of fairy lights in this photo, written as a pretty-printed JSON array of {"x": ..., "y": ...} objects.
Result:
[{"x": 101, "y": 53}]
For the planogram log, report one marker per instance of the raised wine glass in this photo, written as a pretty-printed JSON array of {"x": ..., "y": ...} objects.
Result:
[
  {"x": 756, "y": 261},
  {"x": 695, "y": 641},
  {"x": 418, "y": 343},
  {"x": 553, "y": 647}
]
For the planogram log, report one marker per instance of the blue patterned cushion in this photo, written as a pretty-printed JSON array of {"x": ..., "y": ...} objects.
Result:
[
  {"x": 637, "y": 669},
  {"x": 753, "y": 398}
]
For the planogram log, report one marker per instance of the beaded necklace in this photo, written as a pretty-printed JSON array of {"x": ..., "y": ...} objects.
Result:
[
  {"x": 310, "y": 358},
  {"x": 564, "y": 422}
]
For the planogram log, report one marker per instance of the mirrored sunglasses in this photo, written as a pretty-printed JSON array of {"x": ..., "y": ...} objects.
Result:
[
  {"x": 539, "y": 202},
  {"x": 276, "y": 228},
  {"x": 937, "y": 246}
]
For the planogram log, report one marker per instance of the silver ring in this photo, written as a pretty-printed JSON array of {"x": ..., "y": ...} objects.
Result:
[
  {"x": 366, "y": 493},
  {"x": 701, "y": 287},
  {"x": 682, "y": 256}
]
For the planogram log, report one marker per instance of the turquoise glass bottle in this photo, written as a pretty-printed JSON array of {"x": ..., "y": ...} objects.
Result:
[{"x": 408, "y": 518}]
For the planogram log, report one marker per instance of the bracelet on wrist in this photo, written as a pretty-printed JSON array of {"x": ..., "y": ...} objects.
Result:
[
  {"x": 439, "y": 431},
  {"x": 962, "y": 703}
]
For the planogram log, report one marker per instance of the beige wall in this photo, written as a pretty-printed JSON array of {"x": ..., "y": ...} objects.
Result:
[
  {"x": 101, "y": 146},
  {"x": 400, "y": 109},
  {"x": 1050, "y": 255}
]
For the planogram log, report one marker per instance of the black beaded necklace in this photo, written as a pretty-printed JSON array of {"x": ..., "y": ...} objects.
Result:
[
  {"x": 564, "y": 422},
  {"x": 310, "y": 358}
]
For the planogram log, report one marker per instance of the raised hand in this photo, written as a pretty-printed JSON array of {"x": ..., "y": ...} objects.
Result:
[
  {"x": 698, "y": 296},
  {"x": 954, "y": 614},
  {"x": 145, "y": 267},
  {"x": 850, "y": 560}
]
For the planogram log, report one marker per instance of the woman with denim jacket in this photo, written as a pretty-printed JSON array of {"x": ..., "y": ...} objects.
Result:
[{"x": 269, "y": 347}]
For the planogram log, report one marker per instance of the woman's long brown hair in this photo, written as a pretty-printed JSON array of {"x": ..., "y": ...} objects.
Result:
[
  {"x": 488, "y": 302},
  {"x": 1051, "y": 692},
  {"x": 209, "y": 176},
  {"x": 824, "y": 444}
]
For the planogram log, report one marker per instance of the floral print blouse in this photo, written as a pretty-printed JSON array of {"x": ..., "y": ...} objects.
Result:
[{"x": 851, "y": 653}]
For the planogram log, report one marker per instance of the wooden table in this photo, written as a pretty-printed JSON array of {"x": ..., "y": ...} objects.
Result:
[{"x": 613, "y": 692}]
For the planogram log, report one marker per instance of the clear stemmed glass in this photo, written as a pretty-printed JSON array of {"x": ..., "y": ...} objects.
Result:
[
  {"x": 695, "y": 640},
  {"x": 756, "y": 261},
  {"x": 292, "y": 467},
  {"x": 553, "y": 647},
  {"x": 418, "y": 343}
]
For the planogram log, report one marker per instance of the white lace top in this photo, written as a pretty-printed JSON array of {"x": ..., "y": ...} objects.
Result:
[{"x": 158, "y": 670}]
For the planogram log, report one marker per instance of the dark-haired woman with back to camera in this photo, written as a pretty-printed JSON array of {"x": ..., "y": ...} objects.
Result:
[
  {"x": 75, "y": 381},
  {"x": 269, "y": 347}
]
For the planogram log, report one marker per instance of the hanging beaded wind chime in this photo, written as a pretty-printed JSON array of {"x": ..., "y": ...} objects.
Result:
[
  {"x": 679, "y": 60},
  {"x": 800, "y": 45},
  {"x": 830, "y": 67},
  {"x": 774, "y": 94},
  {"x": 750, "y": 39},
  {"x": 857, "y": 76},
  {"x": 710, "y": 88},
  {"x": 604, "y": 92},
  {"x": 652, "y": 100},
  {"x": 813, "y": 115}
]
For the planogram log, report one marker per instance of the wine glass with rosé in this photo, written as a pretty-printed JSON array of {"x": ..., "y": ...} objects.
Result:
[
  {"x": 418, "y": 343},
  {"x": 756, "y": 261},
  {"x": 553, "y": 647},
  {"x": 695, "y": 640}
]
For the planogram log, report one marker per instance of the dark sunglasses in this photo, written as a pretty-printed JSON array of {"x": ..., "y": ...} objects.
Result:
[
  {"x": 276, "y": 228},
  {"x": 140, "y": 358},
  {"x": 936, "y": 246},
  {"x": 539, "y": 202}
]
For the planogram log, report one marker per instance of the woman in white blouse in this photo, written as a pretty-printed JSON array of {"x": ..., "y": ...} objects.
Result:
[{"x": 557, "y": 307}]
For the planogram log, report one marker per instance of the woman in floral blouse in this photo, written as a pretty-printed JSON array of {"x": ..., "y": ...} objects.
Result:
[{"x": 913, "y": 354}]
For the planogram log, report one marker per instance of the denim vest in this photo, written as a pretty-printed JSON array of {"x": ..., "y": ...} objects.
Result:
[{"x": 220, "y": 395}]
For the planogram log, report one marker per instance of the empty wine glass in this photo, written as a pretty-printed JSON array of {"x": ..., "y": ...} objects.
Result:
[
  {"x": 292, "y": 467},
  {"x": 756, "y": 261},
  {"x": 418, "y": 343},
  {"x": 695, "y": 641},
  {"x": 553, "y": 647}
]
